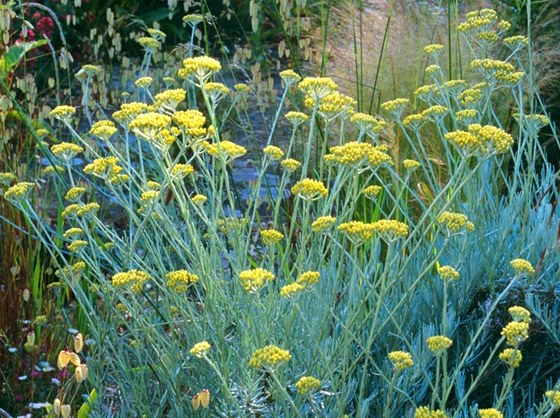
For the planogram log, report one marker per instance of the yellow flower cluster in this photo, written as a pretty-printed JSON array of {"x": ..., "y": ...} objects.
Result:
[
  {"x": 471, "y": 97},
  {"x": 497, "y": 70},
  {"x": 522, "y": 266},
  {"x": 308, "y": 278},
  {"x": 252, "y": 280},
  {"x": 411, "y": 165},
  {"x": 396, "y": 107},
  {"x": 273, "y": 152},
  {"x": 520, "y": 314},
  {"x": 135, "y": 278},
  {"x": 367, "y": 124},
  {"x": 225, "y": 150},
  {"x": 72, "y": 271},
  {"x": 19, "y": 191},
  {"x": 180, "y": 171},
  {"x": 63, "y": 112},
  {"x": 170, "y": 99},
  {"x": 425, "y": 412},
  {"x": 516, "y": 41},
  {"x": 425, "y": 92},
  {"x": 401, "y": 360},
  {"x": 269, "y": 356},
  {"x": 322, "y": 223},
  {"x": 191, "y": 122},
  {"x": 357, "y": 231},
  {"x": 433, "y": 49},
  {"x": 216, "y": 90},
  {"x": 242, "y": 88},
  {"x": 435, "y": 113},
  {"x": 554, "y": 396},
  {"x": 511, "y": 356},
  {"x": 448, "y": 273},
  {"x": 157, "y": 34},
  {"x": 291, "y": 290},
  {"x": 317, "y": 87},
  {"x": 76, "y": 246},
  {"x": 309, "y": 189},
  {"x": 490, "y": 413},
  {"x": 199, "y": 199},
  {"x": 296, "y": 118},
  {"x": 200, "y": 349},
  {"x": 516, "y": 332},
  {"x": 466, "y": 116},
  {"x": 438, "y": 344},
  {"x": 414, "y": 121},
  {"x": 128, "y": 112},
  {"x": 88, "y": 209},
  {"x": 7, "y": 178},
  {"x": 149, "y": 125},
  {"x": 359, "y": 155},
  {"x": 390, "y": 228},
  {"x": 105, "y": 168},
  {"x": 491, "y": 138},
  {"x": 199, "y": 67},
  {"x": 455, "y": 222},
  {"x": 307, "y": 384},
  {"x": 479, "y": 19},
  {"x": 372, "y": 191},
  {"x": 91, "y": 70},
  {"x": 432, "y": 69},
  {"x": 103, "y": 129},
  {"x": 148, "y": 43},
  {"x": 271, "y": 236},
  {"x": 290, "y": 77},
  {"x": 66, "y": 150},
  {"x": 232, "y": 224},
  {"x": 144, "y": 82},
  {"x": 73, "y": 233},
  {"x": 180, "y": 280},
  {"x": 333, "y": 105},
  {"x": 290, "y": 164}
]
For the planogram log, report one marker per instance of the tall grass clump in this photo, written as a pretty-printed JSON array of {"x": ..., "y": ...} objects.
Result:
[{"x": 360, "y": 282}]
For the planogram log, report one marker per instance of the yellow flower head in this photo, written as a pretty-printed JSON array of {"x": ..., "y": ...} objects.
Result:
[
  {"x": 242, "y": 88},
  {"x": 77, "y": 246},
  {"x": 73, "y": 233},
  {"x": 144, "y": 82},
  {"x": 128, "y": 112},
  {"x": 511, "y": 357},
  {"x": 290, "y": 77},
  {"x": 411, "y": 165},
  {"x": 252, "y": 280},
  {"x": 455, "y": 222},
  {"x": 490, "y": 413},
  {"x": 372, "y": 191},
  {"x": 225, "y": 150},
  {"x": 438, "y": 344},
  {"x": 150, "y": 44},
  {"x": 396, "y": 107},
  {"x": 433, "y": 49},
  {"x": 448, "y": 273},
  {"x": 516, "y": 332},
  {"x": 7, "y": 178},
  {"x": 199, "y": 199},
  {"x": 103, "y": 167},
  {"x": 135, "y": 278},
  {"x": 291, "y": 289},
  {"x": 554, "y": 397},
  {"x": 271, "y": 236},
  {"x": 401, "y": 360},
  {"x": 66, "y": 150},
  {"x": 200, "y": 68},
  {"x": 273, "y": 152},
  {"x": 169, "y": 99},
  {"x": 307, "y": 384},
  {"x": 390, "y": 228},
  {"x": 269, "y": 356},
  {"x": 103, "y": 129},
  {"x": 290, "y": 164},
  {"x": 522, "y": 266},
  {"x": 322, "y": 223},
  {"x": 425, "y": 412},
  {"x": 200, "y": 349},
  {"x": 308, "y": 278},
  {"x": 296, "y": 118},
  {"x": 317, "y": 87},
  {"x": 63, "y": 113},
  {"x": 309, "y": 189},
  {"x": 180, "y": 280},
  {"x": 357, "y": 231},
  {"x": 520, "y": 314},
  {"x": 20, "y": 191},
  {"x": 149, "y": 125}
]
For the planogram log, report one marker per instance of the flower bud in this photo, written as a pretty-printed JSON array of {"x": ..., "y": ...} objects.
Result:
[{"x": 78, "y": 343}]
